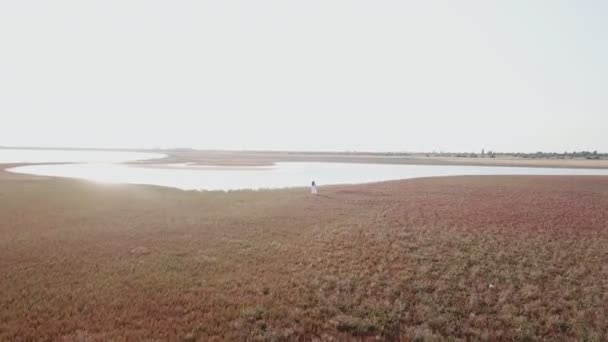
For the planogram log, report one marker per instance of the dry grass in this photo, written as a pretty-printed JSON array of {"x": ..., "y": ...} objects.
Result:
[{"x": 469, "y": 258}]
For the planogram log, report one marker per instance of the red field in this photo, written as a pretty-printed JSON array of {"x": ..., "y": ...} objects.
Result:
[{"x": 471, "y": 258}]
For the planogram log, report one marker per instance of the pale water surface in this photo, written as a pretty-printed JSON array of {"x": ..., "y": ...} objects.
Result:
[
  {"x": 281, "y": 175},
  {"x": 13, "y": 156}
]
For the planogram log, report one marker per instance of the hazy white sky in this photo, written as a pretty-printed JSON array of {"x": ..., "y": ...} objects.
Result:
[{"x": 305, "y": 75}]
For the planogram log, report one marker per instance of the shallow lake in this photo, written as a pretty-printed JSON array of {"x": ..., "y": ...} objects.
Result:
[
  {"x": 281, "y": 175},
  {"x": 13, "y": 156}
]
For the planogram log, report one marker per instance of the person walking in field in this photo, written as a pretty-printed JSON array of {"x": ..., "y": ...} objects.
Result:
[{"x": 313, "y": 188}]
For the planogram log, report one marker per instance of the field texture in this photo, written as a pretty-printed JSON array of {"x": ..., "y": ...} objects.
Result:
[{"x": 462, "y": 258}]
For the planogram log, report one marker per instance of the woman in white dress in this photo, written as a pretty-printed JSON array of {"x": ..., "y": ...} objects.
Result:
[{"x": 313, "y": 188}]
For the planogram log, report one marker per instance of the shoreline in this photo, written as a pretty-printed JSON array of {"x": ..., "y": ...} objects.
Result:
[
  {"x": 268, "y": 158},
  {"x": 7, "y": 174}
]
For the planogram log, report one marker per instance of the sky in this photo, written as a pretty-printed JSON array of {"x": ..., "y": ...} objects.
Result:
[{"x": 325, "y": 75}]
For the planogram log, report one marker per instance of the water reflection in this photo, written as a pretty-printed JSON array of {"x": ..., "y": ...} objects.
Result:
[{"x": 281, "y": 175}]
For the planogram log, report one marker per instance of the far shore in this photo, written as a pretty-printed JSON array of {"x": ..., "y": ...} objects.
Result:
[
  {"x": 269, "y": 158},
  {"x": 237, "y": 158}
]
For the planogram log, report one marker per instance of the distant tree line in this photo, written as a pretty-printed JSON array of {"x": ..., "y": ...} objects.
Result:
[
  {"x": 565, "y": 155},
  {"x": 535, "y": 155}
]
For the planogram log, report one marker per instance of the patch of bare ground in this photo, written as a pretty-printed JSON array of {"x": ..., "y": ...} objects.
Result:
[{"x": 460, "y": 258}]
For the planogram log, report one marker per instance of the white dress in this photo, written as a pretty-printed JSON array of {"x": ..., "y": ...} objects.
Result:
[{"x": 313, "y": 189}]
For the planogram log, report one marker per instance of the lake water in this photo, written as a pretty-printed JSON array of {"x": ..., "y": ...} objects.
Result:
[
  {"x": 281, "y": 175},
  {"x": 13, "y": 156}
]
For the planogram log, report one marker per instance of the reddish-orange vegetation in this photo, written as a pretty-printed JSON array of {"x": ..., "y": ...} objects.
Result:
[{"x": 469, "y": 258}]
